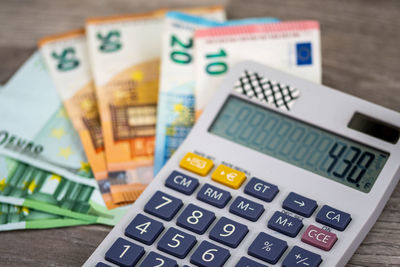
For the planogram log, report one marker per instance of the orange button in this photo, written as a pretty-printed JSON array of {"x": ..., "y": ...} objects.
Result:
[
  {"x": 197, "y": 164},
  {"x": 228, "y": 176}
]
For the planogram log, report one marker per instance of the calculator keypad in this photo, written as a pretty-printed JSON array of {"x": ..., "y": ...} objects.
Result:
[
  {"x": 176, "y": 243},
  {"x": 144, "y": 229},
  {"x": 246, "y": 208},
  {"x": 267, "y": 248},
  {"x": 208, "y": 254},
  {"x": 195, "y": 219},
  {"x": 198, "y": 219},
  {"x": 124, "y": 253},
  {"x": 163, "y": 206},
  {"x": 228, "y": 232},
  {"x": 214, "y": 196},
  {"x": 285, "y": 224},
  {"x": 299, "y": 204}
]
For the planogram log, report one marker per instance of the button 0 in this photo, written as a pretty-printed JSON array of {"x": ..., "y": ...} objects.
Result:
[
  {"x": 197, "y": 164},
  {"x": 319, "y": 238},
  {"x": 228, "y": 176},
  {"x": 299, "y": 204},
  {"x": 334, "y": 218}
]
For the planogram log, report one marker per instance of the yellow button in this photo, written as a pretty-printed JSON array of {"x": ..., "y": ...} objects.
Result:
[
  {"x": 228, "y": 176},
  {"x": 196, "y": 164}
]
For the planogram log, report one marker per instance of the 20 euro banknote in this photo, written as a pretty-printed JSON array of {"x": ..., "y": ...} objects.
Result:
[
  {"x": 292, "y": 46},
  {"x": 125, "y": 57},
  {"x": 175, "y": 112},
  {"x": 14, "y": 217},
  {"x": 66, "y": 57}
]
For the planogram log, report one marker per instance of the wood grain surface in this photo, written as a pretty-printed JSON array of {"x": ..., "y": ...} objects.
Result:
[{"x": 361, "y": 56}]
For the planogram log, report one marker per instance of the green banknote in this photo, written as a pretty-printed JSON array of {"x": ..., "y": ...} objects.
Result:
[
  {"x": 25, "y": 185},
  {"x": 18, "y": 217},
  {"x": 42, "y": 162}
]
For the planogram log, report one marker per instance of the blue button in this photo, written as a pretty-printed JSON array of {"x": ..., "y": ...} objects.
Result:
[
  {"x": 334, "y": 218},
  {"x": 299, "y": 204},
  {"x": 228, "y": 232},
  {"x": 124, "y": 253},
  {"x": 261, "y": 189},
  {"x": 247, "y": 209},
  {"x": 176, "y": 243},
  {"x": 195, "y": 219},
  {"x": 267, "y": 248},
  {"x": 285, "y": 224},
  {"x": 181, "y": 182},
  {"x": 144, "y": 229},
  {"x": 163, "y": 205},
  {"x": 155, "y": 259},
  {"x": 302, "y": 258},
  {"x": 246, "y": 262},
  {"x": 208, "y": 254},
  {"x": 100, "y": 264},
  {"x": 214, "y": 196}
]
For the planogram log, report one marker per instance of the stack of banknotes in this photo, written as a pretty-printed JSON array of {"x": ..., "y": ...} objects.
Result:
[{"x": 94, "y": 114}]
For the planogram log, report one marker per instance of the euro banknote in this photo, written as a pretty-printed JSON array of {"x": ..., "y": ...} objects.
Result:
[
  {"x": 175, "y": 111},
  {"x": 66, "y": 57},
  {"x": 14, "y": 217},
  {"x": 36, "y": 131},
  {"x": 24, "y": 185},
  {"x": 125, "y": 57},
  {"x": 292, "y": 46}
]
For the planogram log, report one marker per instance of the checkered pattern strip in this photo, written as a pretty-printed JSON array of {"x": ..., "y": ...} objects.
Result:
[{"x": 272, "y": 92}]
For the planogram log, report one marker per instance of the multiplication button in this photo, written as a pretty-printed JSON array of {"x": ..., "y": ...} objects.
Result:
[
  {"x": 267, "y": 248},
  {"x": 285, "y": 224}
]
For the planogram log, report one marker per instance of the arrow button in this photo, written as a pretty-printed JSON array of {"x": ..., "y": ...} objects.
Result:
[{"x": 299, "y": 204}]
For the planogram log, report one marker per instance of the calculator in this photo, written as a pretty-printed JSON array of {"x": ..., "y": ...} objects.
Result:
[{"x": 278, "y": 171}]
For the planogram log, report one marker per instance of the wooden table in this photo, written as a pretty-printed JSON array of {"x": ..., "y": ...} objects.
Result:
[{"x": 361, "y": 56}]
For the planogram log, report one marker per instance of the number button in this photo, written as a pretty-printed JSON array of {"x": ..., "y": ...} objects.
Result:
[
  {"x": 196, "y": 164},
  {"x": 246, "y": 262},
  {"x": 299, "y": 204},
  {"x": 176, "y": 243},
  {"x": 144, "y": 229},
  {"x": 208, "y": 254},
  {"x": 214, "y": 196},
  {"x": 246, "y": 208},
  {"x": 302, "y": 258},
  {"x": 285, "y": 224},
  {"x": 181, "y": 183},
  {"x": 195, "y": 219},
  {"x": 157, "y": 260},
  {"x": 228, "y": 232},
  {"x": 261, "y": 189},
  {"x": 267, "y": 248},
  {"x": 334, "y": 218},
  {"x": 100, "y": 264},
  {"x": 124, "y": 253},
  {"x": 163, "y": 206}
]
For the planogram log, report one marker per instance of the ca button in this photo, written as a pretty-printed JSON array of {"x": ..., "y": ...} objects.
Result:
[{"x": 333, "y": 218}]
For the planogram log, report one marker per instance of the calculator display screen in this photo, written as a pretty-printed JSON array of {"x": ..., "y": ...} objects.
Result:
[{"x": 301, "y": 144}]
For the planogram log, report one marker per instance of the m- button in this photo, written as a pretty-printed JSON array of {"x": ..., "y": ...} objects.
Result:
[{"x": 319, "y": 238}]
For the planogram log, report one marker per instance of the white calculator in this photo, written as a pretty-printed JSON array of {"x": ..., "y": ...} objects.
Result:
[{"x": 278, "y": 171}]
